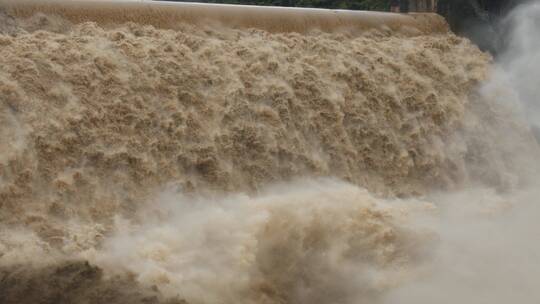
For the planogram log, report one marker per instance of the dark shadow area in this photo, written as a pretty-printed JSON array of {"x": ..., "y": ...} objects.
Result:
[
  {"x": 480, "y": 20},
  {"x": 73, "y": 282}
]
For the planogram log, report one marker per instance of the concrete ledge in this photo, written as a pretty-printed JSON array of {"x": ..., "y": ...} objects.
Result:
[{"x": 274, "y": 19}]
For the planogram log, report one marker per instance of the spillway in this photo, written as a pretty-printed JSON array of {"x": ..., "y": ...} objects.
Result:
[{"x": 156, "y": 152}]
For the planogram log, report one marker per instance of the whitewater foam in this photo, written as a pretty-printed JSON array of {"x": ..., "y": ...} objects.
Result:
[{"x": 154, "y": 155}]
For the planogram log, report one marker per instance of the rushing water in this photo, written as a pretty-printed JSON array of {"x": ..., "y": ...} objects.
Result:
[{"x": 213, "y": 165}]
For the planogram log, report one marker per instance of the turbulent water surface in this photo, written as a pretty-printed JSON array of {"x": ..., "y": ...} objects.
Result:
[{"x": 206, "y": 165}]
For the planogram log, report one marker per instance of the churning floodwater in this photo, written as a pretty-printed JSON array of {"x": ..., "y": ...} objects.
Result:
[{"x": 217, "y": 165}]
